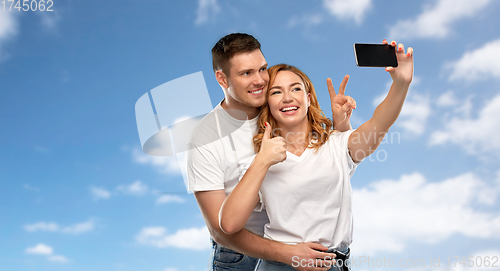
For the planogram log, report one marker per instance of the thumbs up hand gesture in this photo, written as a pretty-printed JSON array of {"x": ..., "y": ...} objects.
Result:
[{"x": 272, "y": 150}]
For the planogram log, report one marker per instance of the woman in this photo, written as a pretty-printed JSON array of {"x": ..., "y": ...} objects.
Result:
[{"x": 307, "y": 195}]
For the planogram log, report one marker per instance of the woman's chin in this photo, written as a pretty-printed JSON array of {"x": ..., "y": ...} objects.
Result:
[{"x": 290, "y": 121}]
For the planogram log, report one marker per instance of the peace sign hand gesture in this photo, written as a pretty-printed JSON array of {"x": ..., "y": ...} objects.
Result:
[{"x": 342, "y": 105}]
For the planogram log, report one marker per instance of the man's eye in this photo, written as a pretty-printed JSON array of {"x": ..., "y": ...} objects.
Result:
[{"x": 263, "y": 69}]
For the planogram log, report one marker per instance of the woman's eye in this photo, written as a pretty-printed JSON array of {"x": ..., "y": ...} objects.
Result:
[
  {"x": 296, "y": 89},
  {"x": 275, "y": 92}
]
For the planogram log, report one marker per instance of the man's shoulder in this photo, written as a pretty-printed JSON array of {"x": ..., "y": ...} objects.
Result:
[
  {"x": 214, "y": 126},
  {"x": 205, "y": 130}
]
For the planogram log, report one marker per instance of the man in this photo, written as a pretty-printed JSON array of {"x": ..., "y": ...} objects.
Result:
[{"x": 223, "y": 138}]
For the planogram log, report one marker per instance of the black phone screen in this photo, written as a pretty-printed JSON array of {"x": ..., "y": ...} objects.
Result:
[{"x": 375, "y": 55}]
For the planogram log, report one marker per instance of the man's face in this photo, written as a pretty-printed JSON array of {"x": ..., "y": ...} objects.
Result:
[{"x": 247, "y": 80}]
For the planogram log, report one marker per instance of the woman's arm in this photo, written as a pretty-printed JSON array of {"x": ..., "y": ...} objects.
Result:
[
  {"x": 239, "y": 204},
  {"x": 366, "y": 139}
]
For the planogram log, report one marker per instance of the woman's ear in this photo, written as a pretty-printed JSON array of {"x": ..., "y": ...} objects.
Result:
[
  {"x": 221, "y": 78},
  {"x": 308, "y": 99}
]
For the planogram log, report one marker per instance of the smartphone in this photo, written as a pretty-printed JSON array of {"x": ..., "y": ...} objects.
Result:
[{"x": 375, "y": 55}]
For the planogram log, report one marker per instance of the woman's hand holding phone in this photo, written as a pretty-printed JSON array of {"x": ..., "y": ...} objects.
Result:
[{"x": 403, "y": 74}]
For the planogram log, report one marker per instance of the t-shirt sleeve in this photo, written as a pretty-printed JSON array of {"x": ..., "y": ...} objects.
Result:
[
  {"x": 344, "y": 143},
  {"x": 203, "y": 170}
]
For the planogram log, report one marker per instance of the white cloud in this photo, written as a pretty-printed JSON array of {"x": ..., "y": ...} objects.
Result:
[
  {"x": 49, "y": 20},
  {"x": 39, "y": 249},
  {"x": 169, "y": 198},
  {"x": 42, "y": 226},
  {"x": 207, "y": 9},
  {"x": 416, "y": 109},
  {"x": 99, "y": 193},
  {"x": 164, "y": 164},
  {"x": 482, "y": 255},
  {"x": 192, "y": 238},
  {"x": 397, "y": 212},
  {"x": 435, "y": 21},
  {"x": 476, "y": 135},
  {"x": 58, "y": 258},
  {"x": 479, "y": 64},
  {"x": 79, "y": 228},
  {"x": 348, "y": 9},
  {"x": 54, "y": 227},
  {"x": 136, "y": 188},
  {"x": 447, "y": 99},
  {"x": 43, "y": 249},
  {"x": 9, "y": 28},
  {"x": 461, "y": 263},
  {"x": 309, "y": 20}
]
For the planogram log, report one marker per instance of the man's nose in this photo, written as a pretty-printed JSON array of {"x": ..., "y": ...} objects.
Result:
[{"x": 259, "y": 80}]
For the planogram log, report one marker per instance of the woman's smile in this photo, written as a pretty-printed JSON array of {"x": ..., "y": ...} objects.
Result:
[{"x": 288, "y": 99}]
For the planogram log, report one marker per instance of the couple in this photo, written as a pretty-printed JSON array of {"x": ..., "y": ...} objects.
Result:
[{"x": 288, "y": 205}]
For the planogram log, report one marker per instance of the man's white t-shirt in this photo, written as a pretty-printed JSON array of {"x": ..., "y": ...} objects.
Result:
[
  {"x": 308, "y": 198},
  {"x": 215, "y": 153}
]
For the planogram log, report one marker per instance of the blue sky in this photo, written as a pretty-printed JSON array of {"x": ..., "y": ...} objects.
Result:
[{"x": 77, "y": 193}]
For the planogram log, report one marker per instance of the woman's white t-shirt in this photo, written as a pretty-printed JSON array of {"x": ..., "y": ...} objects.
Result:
[{"x": 308, "y": 198}]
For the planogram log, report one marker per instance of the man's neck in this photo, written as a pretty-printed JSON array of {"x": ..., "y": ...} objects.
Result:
[{"x": 239, "y": 111}]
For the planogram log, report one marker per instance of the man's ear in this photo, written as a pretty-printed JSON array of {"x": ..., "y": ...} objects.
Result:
[{"x": 221, "y": 78}]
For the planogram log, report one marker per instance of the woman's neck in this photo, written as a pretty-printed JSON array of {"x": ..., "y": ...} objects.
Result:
[{"x": 297, "y": 137}]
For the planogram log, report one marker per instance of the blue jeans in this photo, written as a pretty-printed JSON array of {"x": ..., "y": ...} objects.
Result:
[
  {"x": 223, "y": 258},
  {"x": 265, "y": 265}
]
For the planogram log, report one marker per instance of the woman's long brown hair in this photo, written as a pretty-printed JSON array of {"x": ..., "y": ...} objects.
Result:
[{"x": 321, "y": 126}]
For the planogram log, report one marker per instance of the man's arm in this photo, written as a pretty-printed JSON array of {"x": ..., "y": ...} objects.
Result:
[{"x": 253, "y": 245}]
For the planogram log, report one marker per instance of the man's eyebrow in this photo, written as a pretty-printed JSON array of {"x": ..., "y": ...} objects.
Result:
[
  {"x": 244, "y": 71},
  {"x": 249, "y": 70}
]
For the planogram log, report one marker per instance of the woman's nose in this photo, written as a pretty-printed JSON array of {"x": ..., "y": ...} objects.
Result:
[{"x": 287, "y": 97}]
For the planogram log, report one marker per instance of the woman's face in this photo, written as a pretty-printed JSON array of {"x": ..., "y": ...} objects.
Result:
[{"x": 288, "y": 99}]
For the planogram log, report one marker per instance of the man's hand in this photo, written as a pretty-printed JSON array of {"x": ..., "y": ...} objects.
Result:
[
  {"x": 302, "y": 255},
  {"x": 342, "y": 105}
]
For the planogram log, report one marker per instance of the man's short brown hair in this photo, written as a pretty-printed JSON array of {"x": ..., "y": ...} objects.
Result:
[{"x": 229, "y": 46}]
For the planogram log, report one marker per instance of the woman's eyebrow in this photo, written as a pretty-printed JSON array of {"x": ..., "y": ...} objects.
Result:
[
  {"x": 296, "y": 83},
  {"x": 292, "y": 84}
]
